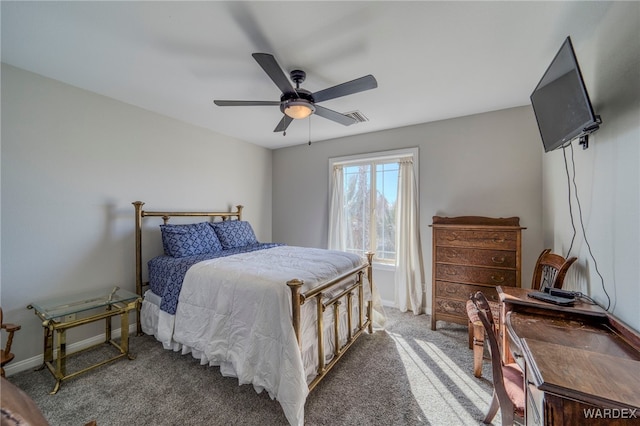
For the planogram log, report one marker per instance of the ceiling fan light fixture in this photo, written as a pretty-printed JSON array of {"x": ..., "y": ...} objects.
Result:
[{"x": 299, "y": 109}]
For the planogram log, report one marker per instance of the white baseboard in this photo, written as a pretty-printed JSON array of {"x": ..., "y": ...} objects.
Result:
[
  {"x": 392, "y": 304},
  {"x": 389, "y": 303},
  {"x": 36, "y": 361}
]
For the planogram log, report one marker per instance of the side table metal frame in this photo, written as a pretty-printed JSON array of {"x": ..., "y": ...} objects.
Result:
[{"x": 59, "y": 368}]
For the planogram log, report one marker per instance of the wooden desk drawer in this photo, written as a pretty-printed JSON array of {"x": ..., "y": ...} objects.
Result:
[
  {"x": 469, "y": 256},
  {"x": 514, "y": 344},
  {"x": 463, "y": 291},
  {"x": 534, "y": 400},
  {"x": 475, "y": 275},
  {"x": 497, "y": 239}
]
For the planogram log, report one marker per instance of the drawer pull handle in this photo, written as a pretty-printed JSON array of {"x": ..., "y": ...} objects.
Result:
[
  {"x": 498, "y": 260},
  {"x": 450, "y": 290},
  {"x": 497, "y": 279},
  {"x": 498, "y": 240}
]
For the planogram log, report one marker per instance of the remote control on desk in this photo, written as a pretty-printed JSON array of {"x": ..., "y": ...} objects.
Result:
[
  {"x": 562, "y": 301},
  {"x": 563, "y": 293}
]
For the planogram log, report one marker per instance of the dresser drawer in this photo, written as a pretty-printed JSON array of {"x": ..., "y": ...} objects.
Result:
[
  {"x": 498, "y": 239},
  {"x": 463, "y": 291},
  {"x": 475, "y": 275},
  {"x": 451, "y": 307},
  {"x": 469, "y": 256}
]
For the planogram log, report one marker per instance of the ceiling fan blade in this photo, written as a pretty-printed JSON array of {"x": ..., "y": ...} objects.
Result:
[
  {"x": 350, "y": 87},
  {"x": 283, "y": 124},
  {"x": 334, "y": 116},
  {"x": 245, "y": 103},
  {"x": 274, "y": 71}
]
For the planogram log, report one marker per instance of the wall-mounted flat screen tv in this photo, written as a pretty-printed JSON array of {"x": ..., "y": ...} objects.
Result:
[{"x": 561, "y": 103}]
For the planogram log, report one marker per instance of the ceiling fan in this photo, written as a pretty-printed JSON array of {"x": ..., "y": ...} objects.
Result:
[{"x": 297, "y": 103}]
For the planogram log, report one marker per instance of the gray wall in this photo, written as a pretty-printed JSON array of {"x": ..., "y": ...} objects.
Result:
[
  {"x": 487, "y": 164},
  {"x": 607, "y": 174},
  {"x": 72, "y": 163}
]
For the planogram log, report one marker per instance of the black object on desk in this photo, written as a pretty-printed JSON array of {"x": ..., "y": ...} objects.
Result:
[{"x": 556, "y": 300}]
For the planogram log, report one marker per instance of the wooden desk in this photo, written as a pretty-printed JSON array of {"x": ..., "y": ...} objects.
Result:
[{"x": 582, "y": 366}]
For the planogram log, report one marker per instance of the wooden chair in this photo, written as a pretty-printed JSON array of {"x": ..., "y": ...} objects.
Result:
[
  {"x": 508, "y": 380},
  {"x": 5, "y": 354},
  {"x": 550, "y": 271}
]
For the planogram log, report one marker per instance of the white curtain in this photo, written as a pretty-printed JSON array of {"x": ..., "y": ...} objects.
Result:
[
  {"x": 336, "y": 214},
  {"x": 409, "y": 275}
]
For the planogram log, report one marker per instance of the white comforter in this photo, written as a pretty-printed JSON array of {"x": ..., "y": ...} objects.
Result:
[{"x": 235, "y": 312}]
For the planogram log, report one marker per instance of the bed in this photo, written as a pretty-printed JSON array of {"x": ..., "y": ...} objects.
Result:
[{"x": 275, "y": 316}]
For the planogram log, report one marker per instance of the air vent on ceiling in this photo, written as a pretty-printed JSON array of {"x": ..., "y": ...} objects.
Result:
[{"x": 358, "y": 116}]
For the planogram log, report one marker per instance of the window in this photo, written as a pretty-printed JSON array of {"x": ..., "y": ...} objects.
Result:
[
  {"x": 366, "y": 191},
  {"x": 370, "y": 194}
]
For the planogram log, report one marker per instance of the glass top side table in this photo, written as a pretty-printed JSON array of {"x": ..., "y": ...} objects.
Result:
[{"x": 60, "y": 313}]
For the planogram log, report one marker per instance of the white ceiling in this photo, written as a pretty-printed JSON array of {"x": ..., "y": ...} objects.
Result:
[{"x": 432, "y": 60}]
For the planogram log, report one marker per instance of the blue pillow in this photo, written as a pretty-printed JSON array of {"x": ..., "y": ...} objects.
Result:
[
  {"x": 234, "y": 233},
  {"x": 189, "y": 240}
]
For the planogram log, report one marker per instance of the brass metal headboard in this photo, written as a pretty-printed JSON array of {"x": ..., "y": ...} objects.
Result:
[{"x": 165, "y": 217}]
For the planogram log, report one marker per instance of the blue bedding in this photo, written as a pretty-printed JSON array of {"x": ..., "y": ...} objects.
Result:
[{"x": 166, "y": 273}]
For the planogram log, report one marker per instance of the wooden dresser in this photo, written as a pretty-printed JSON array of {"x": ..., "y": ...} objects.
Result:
[{"x": 472, "y": 253}]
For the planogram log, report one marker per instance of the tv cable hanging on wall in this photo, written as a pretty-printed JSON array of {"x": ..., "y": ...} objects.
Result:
[{"x": 584, "y": 233}]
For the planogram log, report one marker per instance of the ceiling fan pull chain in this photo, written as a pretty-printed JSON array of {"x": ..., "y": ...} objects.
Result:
[
  {"x": 309, "y": 130},
  {"x": 284, "y": 132}
]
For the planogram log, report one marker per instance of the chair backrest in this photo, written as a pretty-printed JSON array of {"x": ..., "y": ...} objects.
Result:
[
  {"x": 486, "y": 317},
  {"x": 508, "y": 380},
  {"x": 5, "y": 353},
  {"x": 550, "y": 270}
]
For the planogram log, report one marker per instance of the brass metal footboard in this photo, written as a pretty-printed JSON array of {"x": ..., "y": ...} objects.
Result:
[{"x": 298, "y": 299}]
